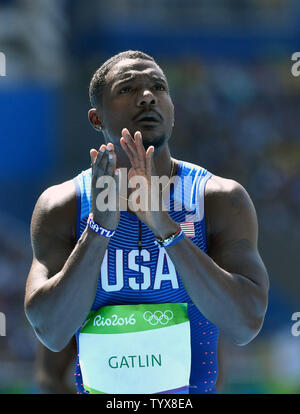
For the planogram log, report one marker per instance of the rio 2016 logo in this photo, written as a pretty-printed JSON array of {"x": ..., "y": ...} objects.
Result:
[
  {"x": 296, "y": 326},
  {"x": 114, "y": 320},
  {"x": 2, "y": 64}
]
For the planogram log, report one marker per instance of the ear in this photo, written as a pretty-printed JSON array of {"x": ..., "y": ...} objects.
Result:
[{"x": 94, "y": 119}]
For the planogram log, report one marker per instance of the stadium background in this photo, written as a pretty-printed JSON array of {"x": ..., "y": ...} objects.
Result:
[{"x": 237, "y": 108}]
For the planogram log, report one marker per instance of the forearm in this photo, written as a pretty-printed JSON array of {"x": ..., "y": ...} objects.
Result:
[
  {"x": 228, "y": 300},
  {"x": 58, "y": 308},
  {"x": 231, "y": 301}
]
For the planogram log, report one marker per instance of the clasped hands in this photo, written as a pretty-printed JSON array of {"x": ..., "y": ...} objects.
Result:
[{"x": 143, "y": 199}]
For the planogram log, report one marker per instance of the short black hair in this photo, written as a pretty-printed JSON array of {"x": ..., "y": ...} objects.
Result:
[{"x": 98, "y": 79}]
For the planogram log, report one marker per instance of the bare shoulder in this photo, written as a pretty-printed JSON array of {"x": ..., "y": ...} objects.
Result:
[
  {"x": 56, "y": 208},
  {"x": 217, "y": 187},
  {"x": 58, "y": 195},
  {"x": 227, "y": 202}
]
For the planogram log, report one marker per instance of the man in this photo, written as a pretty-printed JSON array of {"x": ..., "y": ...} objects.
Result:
[{"x": 144, "y": 290}]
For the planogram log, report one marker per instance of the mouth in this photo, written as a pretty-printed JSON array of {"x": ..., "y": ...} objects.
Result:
[
  {"x": 150, "y": 118},
  {"x": 148, "y": 122}
]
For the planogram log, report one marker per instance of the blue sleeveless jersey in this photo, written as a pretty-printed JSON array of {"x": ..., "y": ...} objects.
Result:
[{"x": 133, "y": 273}]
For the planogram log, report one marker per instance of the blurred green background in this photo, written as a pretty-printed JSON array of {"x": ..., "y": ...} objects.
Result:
[{"x": 237, "y": 108}]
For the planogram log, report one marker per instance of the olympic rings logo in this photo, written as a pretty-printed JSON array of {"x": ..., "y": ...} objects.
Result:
[{"x": 158, "y": 317}]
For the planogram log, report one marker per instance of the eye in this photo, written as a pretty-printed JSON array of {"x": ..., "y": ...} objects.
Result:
[
  {"x": 125, "y": 89},
  {"x": 160, "y": 87}
]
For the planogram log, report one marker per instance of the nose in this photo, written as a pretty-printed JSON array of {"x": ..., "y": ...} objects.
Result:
[{"x": 146, "y": 98}]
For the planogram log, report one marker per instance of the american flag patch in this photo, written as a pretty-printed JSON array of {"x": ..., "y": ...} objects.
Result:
[{"x": 188, "y": 228}]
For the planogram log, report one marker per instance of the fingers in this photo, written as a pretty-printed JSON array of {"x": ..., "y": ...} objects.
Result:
[
  {"x": 128, "y": 146},
  {"x": 149, "y": 160},
  {"x": 112, "y": 160},
  {"x": 141, "y": 154},
  {"x": 103, "y": 162},
  {"x": 117, "y": 178},
  {"x": 93, "y": 154},
  {"x": 134, "y": 148},
  {"x": 96, "y": 156}
]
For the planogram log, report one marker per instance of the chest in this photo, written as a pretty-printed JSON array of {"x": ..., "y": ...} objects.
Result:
[{"x": 135, "y": 270}]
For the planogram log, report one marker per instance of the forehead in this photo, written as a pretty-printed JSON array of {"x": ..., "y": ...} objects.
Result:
[{"x": 130, "y": 67}]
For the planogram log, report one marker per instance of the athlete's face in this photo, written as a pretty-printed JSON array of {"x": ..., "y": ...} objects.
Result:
[{"x": 136, "y": 97}]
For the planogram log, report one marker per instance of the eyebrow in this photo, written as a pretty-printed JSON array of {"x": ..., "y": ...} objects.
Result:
[{"x": 129, "y": 77}]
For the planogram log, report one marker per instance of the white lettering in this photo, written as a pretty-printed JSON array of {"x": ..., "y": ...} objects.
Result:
[
  {"x": 116, "y": 320},
  {"x": 296, "y": 326},
  {"x": 189, "y": 193},
  {"x": 134, "y": 405},
  {"x": 123, "y": 189},
  {"x": 142, "y": 270},
  {"x": 170, "y": 403},
  {"x": 2, "y": 64},
  {"x": 138, "y": 199},
  {"x": 119, "y": 273},
  {"x": 165, "y": 183},
  {"x": 163, "y": 263},
  {"x": 189, "y": 403},
  {"x": 108, "y": 193},
  {"x": 2, "y": 324},
  {"x": 295, "y": 67},
  {"x": 160, "y": 276}
]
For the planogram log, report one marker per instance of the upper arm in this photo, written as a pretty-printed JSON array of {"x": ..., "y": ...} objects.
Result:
[
  {"x": 234, "y": 231},
  {"x": 52, "y": 234}
]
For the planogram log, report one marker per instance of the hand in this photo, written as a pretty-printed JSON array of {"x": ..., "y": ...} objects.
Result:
[
  {"x": 105, "y": 187},
  {"x": 142, "y": 168}
]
